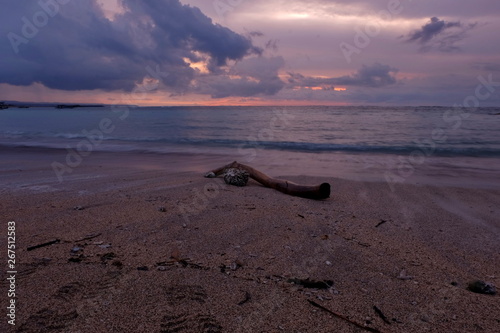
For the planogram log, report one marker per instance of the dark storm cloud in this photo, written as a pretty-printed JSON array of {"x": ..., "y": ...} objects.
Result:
[
  {"x": 70, "y": 45},
  {"x": 440, "y": 35},
  {"x": 376, "y": 75}
]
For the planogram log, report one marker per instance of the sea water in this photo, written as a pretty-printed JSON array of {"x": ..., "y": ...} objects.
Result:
[{"x": 396, "y": 144}]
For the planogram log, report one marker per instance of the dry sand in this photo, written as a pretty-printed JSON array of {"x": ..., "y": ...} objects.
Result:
[{"x": 144, "y": 249}]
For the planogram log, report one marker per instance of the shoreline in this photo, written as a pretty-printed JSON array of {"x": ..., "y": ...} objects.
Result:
[
  {"x": 467, "y": 172},
  {"x": 145, "y": 246}
]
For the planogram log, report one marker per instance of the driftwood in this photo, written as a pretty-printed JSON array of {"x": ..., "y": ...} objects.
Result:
[
  {"x": 34, "y": 247},
  {"x": 366, "y": 328},
  {"x": 321, "y": 191}
]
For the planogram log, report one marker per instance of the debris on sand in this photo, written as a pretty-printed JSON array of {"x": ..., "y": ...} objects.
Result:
[
  {"x": 246, "y": 299},
  {"x": 55, "y": 241},
  {"x": 366, "y": 328},
  {"x": 481, "y": 287},
  {"x": 381, "y": 315},
  {"x": 404, "y": 276},
  {"x": 306, "y": 283},
  {"x": 237, "y": 174}
]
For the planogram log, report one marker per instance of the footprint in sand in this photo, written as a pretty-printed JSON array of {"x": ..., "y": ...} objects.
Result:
[
  {"x": 190, "y": 323},
  {"x": 69, "y": 291},
  {"x": 47, "y": 320},
  {"x": 88, "y": 290},
  {"x": 179, "y": 294},
  {"x": 24, "y": 271}
]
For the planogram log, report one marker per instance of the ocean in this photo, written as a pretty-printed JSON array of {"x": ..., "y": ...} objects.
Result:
[{"x": 392, "y": 144}]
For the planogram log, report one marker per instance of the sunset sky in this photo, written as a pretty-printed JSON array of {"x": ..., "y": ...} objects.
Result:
[{"x": 250, "y": 52}]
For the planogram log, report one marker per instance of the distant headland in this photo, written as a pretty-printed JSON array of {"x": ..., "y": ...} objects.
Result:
[{"x": 25, "y": 105}]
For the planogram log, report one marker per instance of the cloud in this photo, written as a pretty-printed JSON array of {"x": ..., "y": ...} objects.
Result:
[
  {"x": 375, "y": 75},
  {"x": 431, "y": 30},
  {"x": 249, "y": 77},
  {"x": 487, "y": 66},
  {"x": 444, "y": 90},
  {"x": 256, "y": 34},
  {"x": 272, "y": 44},
  {"x": 440, "y": 35},
  {"x": 74, "y": 46},
  {"x": 400, "y": 9}
]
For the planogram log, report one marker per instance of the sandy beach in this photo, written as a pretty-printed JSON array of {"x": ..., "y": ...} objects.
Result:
[
  {"x": 145, "y": 243},
  {"x": 381, "y": 117}
]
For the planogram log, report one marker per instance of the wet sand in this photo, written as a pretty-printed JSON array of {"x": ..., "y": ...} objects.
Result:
[{"x": 146, "y": 244}]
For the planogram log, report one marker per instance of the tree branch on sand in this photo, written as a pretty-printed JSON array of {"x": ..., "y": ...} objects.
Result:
[{"x": 237, "y": 174}]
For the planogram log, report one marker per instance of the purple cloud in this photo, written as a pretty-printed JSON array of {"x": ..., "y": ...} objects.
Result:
[
  {"x": 440, "y": 35},
  {"x": 73, "y": 46},
  {"x": 249, "y": 77},
  {"x": 375, "y": 75}
]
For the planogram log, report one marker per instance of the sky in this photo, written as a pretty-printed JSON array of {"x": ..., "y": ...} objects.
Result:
[{"x": 251, "y": 52}]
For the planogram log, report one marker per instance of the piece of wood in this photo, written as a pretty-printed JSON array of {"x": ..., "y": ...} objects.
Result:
[
  {"x": 366, "y": 328},
  {"x": 88, "y": 237},
  {"x": 55, "y": 241},
  {"x": 317, "y": 192},
  {"x": 246, "y": 299},
  {"x": 381, "y": 315}
]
